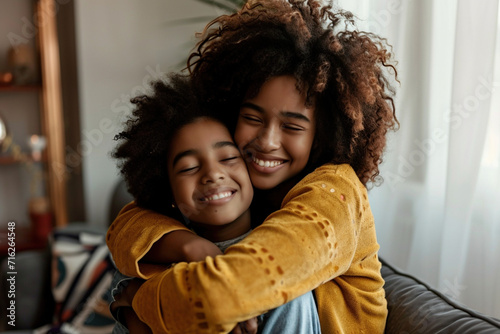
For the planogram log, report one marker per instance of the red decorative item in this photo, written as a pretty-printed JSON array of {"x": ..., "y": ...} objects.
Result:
[
  {"x": 41, "y": 217},
  {"x": 42, "y": 225}
]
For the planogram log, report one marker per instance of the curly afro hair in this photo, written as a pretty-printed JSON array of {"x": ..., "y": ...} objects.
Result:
[
  {"x": 346, "y": 74},
  {"x": 145, "y": 142}
]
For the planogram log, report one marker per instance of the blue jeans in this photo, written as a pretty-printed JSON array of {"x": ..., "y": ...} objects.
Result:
[
  {"x": 299, "y": 316},
  {"x": 119, "y": 282}
]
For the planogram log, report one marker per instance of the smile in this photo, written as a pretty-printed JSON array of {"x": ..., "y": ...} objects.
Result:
[
  {"x": 267, "y": 163},
  {"x": 215, "y": 197}
]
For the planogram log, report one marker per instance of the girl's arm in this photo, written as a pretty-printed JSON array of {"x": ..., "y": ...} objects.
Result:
[
  {"x": 314, "y": 238},
  {"x": 143, "y": 242},
  {"x": 180, "y": 246}
]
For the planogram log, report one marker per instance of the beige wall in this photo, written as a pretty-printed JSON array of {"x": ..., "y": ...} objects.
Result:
[{"x": 121, "y": 44}]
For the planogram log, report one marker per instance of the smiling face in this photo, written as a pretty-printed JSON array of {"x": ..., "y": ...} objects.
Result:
[
  {"x": 275, "y": 130},
  {"x": 209, "y": 180}
]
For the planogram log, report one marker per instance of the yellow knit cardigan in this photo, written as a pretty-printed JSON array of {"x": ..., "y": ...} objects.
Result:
[{"x": 323, "y": 238}]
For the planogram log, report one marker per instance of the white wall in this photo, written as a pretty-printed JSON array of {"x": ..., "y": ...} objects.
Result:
[{"x": 121, "y": 45}]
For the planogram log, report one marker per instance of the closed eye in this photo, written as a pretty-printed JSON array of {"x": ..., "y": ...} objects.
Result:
[
  {"x": 231, "y": 158},
  {"x": 293, "y": 127},
  {"x": 187, "y": 170},
  {"x": 252, "y": 119}
]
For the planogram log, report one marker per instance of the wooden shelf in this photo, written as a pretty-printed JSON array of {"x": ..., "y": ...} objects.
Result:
[
  {"x": 20, "y": 88},
  {"x": 49, "y": 109},
  {"x": 11, "y": 160},
  {"x": 8, "y": 160},
  {"x": 25, "y": 239}
]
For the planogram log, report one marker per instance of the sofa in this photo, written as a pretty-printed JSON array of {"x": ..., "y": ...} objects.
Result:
[{"x": 414, "y": 307}]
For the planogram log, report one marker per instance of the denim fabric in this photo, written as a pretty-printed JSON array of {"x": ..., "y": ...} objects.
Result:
[
  {"x": 119, "y": 329},
  {"x": 119, "y": 282},
  {"x": 299, "y": 316}
]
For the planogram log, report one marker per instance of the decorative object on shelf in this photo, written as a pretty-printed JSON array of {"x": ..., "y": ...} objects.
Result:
[
  {"x": 13, "y": 150},
  {"x": 3, "y": 132},
  {"x": 37, "y": 144},
  {"x": 6, "y": 78},
  {"x": 41, "y": 217},
  {"x": 29, "y": 160},
  {"x": 22, "y": 63}
]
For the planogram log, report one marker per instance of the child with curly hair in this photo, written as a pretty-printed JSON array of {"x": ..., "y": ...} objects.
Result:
[
  {"x": 179, "y": 159},
  {"x": 310, "y": 101}
]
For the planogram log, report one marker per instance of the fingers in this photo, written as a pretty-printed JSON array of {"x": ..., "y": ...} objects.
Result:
[
  {"x": 236, "y": 330},
  {"x": 251, "y": 326},
  {"x": 119, "y": 302},
  {"x": 130, "y": 290},
  {"x": 246, "y": 327}
]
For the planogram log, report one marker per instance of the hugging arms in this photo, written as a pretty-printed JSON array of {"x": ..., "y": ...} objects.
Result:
[
  {"x": 309, "y": 109},
  {"x": 293, "y": 251}
]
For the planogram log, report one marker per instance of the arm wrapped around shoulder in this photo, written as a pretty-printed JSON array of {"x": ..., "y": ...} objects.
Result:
[
  {"x": 132, "y": 235},
  {"x": 311, "y": 240}
]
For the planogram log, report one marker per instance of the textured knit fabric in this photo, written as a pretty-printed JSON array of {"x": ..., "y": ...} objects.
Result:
[
  {"x": 322, "y": 238},
  {"x": 132, "y": 235},
  {"x": 299, "y": 316}
]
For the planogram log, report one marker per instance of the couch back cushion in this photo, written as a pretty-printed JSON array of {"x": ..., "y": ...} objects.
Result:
[{"x": 414, "y": 307}]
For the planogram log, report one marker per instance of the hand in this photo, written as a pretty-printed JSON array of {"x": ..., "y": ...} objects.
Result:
[
  {"x": 133, "y": 323},
  {"x": 198, "y": 248},
  {"x": 246, "y": 327},
  {"x": 124, "y": 298},
  {"x": 180, "y": 246}
]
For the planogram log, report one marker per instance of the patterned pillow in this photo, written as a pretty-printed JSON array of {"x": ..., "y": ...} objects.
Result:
[{"x": 81, "y": 277}]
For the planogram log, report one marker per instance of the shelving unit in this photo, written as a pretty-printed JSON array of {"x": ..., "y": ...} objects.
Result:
[
  {"x": 41, "y": 105},
  {"x": 20, "y": 88},
  {"x": 8, "y": 159}
]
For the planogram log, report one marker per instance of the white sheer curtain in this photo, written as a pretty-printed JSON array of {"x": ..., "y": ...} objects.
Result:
[{"x": 438, "y": 210}]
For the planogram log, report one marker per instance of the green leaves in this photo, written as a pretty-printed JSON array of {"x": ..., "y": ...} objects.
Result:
[{"x": 229, "y": 6}]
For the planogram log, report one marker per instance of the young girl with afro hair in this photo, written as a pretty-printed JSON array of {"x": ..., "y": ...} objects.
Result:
[
  {"x": 310, "y": 100},
  {"x": 174, "y": 150}
]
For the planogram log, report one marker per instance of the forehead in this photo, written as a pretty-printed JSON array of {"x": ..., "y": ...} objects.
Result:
[
  {"x": 280, "y": 94},
  {"x": 199, "y": 135}
]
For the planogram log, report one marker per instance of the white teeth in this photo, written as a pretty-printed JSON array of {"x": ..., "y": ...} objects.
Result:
[
  {"x": 267, "y": 163},
  {"x": 218, "y": 196}
]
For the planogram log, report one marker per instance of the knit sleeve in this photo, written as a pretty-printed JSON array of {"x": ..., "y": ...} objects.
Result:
[
  {"x": 311, "y": 240},
  {"x": 132, "y": 235}
]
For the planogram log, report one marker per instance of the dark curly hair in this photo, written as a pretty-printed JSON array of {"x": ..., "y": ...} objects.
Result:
[
  {"x": 344, "y": 72},
  {"x": 145, "y": 142}
]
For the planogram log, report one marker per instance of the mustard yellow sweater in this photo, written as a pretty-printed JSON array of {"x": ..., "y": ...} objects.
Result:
[{"x": 322, "y": 238}]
